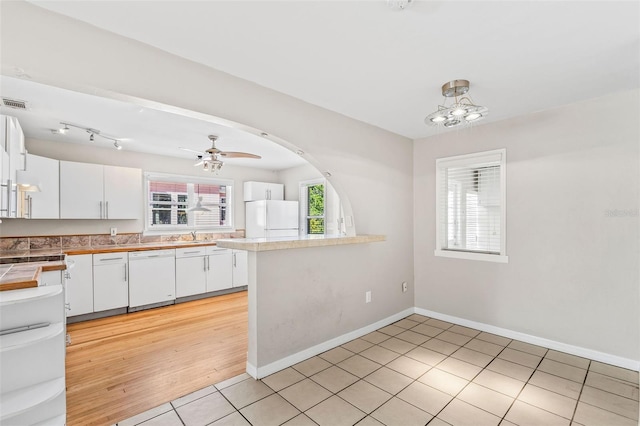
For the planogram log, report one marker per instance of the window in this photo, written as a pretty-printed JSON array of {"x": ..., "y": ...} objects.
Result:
[
  {"x": 169, "y": 198},
  {"x": 470, "y": 191},
  {"x": 313, "y": 206}
]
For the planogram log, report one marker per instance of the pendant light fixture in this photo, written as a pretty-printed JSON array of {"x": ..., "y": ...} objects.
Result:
[
  {"x": 462, "y": 112},
  {"x": 198, "y": 207}
]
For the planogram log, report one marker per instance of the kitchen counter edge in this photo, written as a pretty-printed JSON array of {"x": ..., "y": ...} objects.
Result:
[{"x": 267, "y": 244}]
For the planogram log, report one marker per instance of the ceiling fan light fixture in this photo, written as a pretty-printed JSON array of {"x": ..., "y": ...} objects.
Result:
[{"x": 462, "y": 111}]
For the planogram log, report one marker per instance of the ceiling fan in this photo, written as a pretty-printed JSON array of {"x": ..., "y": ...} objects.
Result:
[{"x": 210, "y": 158}]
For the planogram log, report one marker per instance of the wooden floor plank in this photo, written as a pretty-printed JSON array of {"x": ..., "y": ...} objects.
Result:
[{"x": 121, "y": 366}]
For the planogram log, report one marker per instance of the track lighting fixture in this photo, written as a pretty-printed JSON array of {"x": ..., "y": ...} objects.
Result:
[{"x": 92, "y": 133}]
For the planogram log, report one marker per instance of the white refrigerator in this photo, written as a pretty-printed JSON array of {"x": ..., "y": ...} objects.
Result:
[{"x": 271, "y": 218}]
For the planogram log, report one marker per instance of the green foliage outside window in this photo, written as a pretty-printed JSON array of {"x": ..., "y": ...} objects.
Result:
[{"x": 315, "y": 218}]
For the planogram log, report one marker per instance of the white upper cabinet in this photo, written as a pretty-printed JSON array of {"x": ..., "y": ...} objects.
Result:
[
  {"x": 45, "y": 174},
  {"x": 256, "y": 191},
  {"x": 122, "y": 192},
  {"x": 12, "y": 159},
  {"x": 94, "y": 191},
  {"x": 17, "y": 151}
]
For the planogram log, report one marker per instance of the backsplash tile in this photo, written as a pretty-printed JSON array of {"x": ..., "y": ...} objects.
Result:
[
  {"x": 102, "y": 240},
  {"x": 127, "y": 239},
  {"x": 36, "y": 243},
  {"x": 58, "y": 242},
  {"x": 76, "y": 241},
  {"x": 150, "y": 238},
  {"x": 13, "y": 244}
]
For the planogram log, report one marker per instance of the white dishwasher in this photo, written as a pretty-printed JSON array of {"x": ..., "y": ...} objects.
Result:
[{"x": 152, "y": 277}]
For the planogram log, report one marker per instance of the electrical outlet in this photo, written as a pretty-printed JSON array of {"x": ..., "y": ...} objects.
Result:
[
  {"x": 404, "y": 287},
  {"x": 367, "y": 297},
  {"x": 114, "y": 232}
]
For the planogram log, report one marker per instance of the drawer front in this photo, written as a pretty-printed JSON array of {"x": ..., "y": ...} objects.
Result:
[
  {"x": 216, "y": 250},
  {"x": 106, "y": 258},
  {"x": 190, "y": 252}
]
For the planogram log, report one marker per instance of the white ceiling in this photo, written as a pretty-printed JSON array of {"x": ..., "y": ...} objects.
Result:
[
  {"x": 385, "y": 67},
  {"x": 136, "y": 128}
]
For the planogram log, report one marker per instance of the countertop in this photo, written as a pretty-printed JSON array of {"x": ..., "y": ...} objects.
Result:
[
  {"x": 24, "y": 275},
  {"x": 282, "y": 243},
  {"x": 22, "y": 269}
]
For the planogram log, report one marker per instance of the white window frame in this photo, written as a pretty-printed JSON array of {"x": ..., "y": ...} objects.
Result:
[
  {"x": 470, "y": 160},
  {"x": 304, "y": 204},
  {"x": 181, "y": 229}
]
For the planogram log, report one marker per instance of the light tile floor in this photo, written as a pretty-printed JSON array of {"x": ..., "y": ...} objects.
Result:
[{"x": 418, "y": 371}]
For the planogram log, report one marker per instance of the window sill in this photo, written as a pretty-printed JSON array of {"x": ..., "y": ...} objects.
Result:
[
  {"x": 173, "y": 231},
  {"x": 497, "y": 258}
]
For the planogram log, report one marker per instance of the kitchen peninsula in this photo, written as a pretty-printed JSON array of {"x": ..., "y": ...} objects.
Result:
[{"x": 285, "y": 295}]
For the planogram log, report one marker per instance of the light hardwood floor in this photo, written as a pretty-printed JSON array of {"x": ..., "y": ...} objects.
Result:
[{"x": 121, "y": 366}]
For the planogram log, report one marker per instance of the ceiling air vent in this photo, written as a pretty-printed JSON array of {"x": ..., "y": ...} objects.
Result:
[{"x": 14, "y": 103}]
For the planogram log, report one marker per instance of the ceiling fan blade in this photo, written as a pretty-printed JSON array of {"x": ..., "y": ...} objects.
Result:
[
  {"x": 231, "y": 154},
  {"x": 190, "y": 150}
]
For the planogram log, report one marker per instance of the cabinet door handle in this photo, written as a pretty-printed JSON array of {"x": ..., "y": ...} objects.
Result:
[
  {"x": 204, "y": 263},
  {"x": 106, "y": 210},
  {"x": 30, "y": 199},
  {"x": 106, "y": 259},
  {"x": 208, "y": 263},
  {"x": 125, "y": 272},
  {"x": 100, "y": 209},
  {"x": 234, "y": 260}
]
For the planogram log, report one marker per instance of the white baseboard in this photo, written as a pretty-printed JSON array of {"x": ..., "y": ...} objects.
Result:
[
  {"x": 535, "y": 340},
  {"x": 252, "y": 370},
  {"x": 281, "y": 364}
]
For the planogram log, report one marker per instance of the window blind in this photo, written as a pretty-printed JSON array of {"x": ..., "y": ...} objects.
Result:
[{"x": 470, "y": 204}]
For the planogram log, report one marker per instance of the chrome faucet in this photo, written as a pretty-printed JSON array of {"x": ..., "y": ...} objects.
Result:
[{"x": 193, "y": 235}]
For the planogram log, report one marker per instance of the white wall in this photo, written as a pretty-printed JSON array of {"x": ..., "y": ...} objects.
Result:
[
  {"x": 146, "y": 162},
  {"x": 50, "y": 48},
  {"x": 573, "y": 273},
  {"x": 291, "y": 178}
]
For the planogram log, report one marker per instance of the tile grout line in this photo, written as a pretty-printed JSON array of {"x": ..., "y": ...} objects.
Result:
[
  {"x": 469, "y": 382},
  {"x": 399, "y": 355},
  {"x": 504, "y": 418},
  {"x": 584, "y": 382}
]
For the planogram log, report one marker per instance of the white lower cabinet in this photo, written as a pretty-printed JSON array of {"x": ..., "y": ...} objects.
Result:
[
  {"x": 240, "y": 268},
  {"x": 207, "y": 269},
  {"x": 79, "y": 291},
  {"x": 32, "y": 356},
  {"x": 110, "y": 281},
  {"x": 219, "y": 270},
  {"x": 51, "y": 278},
  {"x": 191, "y": 271}
]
